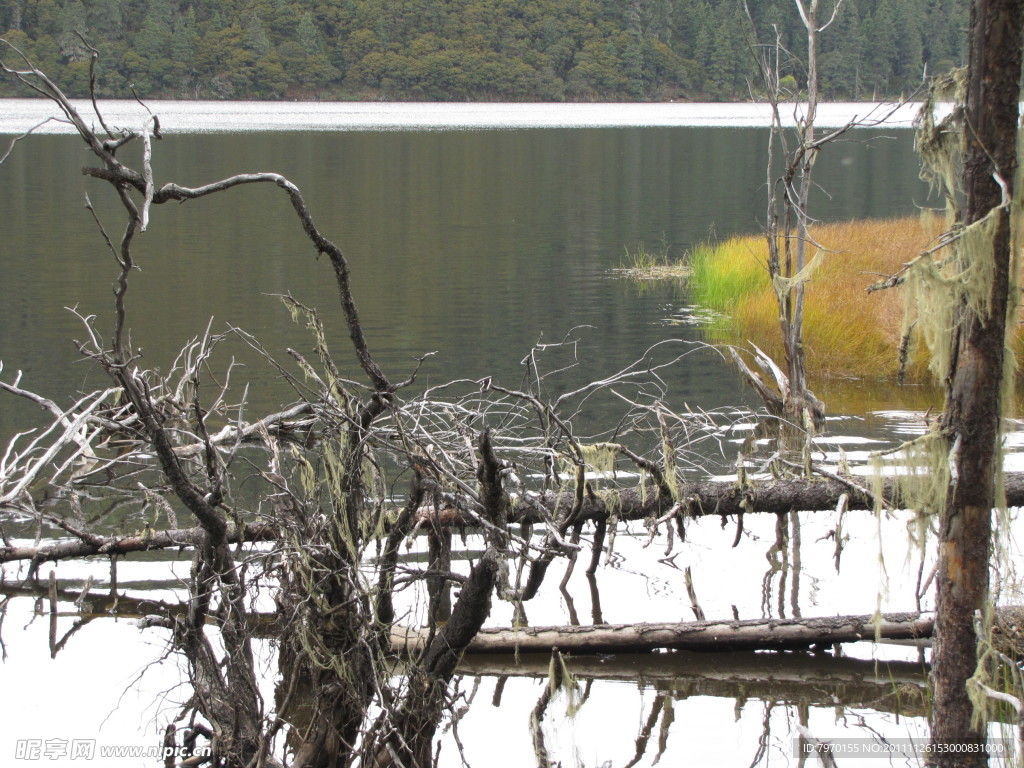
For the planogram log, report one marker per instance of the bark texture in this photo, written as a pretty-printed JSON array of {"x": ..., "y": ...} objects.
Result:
[
  {"x": 710, "y": 635},
  {"x": 974, "y": 389}
]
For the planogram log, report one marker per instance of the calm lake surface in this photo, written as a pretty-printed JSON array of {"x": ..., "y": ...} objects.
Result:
[
  {"x": 475, "y": 239},
  {"x": 475, "y": 244}
]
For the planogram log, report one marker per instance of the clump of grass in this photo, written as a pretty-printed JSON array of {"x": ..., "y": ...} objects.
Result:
[
  {"x": 643, "y": 263},
  {"x": 848, "y": 332},
  {"x": 730, "y": 271}
]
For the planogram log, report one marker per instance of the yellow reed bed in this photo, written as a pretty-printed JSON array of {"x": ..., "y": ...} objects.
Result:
[{"x": 848, "y": 332}]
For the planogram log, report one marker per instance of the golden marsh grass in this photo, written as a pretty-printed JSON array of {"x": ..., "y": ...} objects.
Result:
[{"x": 848, "y": 332}]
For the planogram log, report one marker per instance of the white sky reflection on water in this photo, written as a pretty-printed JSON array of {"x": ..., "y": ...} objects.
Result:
[
  {"x": 19, "y": 115},
  {"x": 90, "y": 690}
]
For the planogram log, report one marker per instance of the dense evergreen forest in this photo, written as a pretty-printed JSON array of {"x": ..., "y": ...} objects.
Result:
[{"x": 515, "y": 50}]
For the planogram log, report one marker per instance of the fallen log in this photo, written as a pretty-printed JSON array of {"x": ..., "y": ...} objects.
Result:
[
  {"x": 725, "y": 499},
  {"x": 642, "y": 638},
  {"x": 182, "y": 538},
  {"x": 696, "y": 499},
  {"x": 708, "y": 635},
  {"x": 666, "y": 671},
  {"x": 714, "y": 635}
]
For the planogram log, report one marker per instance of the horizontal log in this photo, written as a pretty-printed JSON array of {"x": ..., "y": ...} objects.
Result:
[
  {"x": 719, "y": 635},
  {"x": 724, "y": 499},
  {"x": 709, "y": 635},
  {"x": 696, "y": 499},
  {"x": 122, "y": 545}
]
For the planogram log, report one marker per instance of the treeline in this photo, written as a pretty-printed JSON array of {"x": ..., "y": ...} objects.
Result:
[{"x": 518, "y": 50}]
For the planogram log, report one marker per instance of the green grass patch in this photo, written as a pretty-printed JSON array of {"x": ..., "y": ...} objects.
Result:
[
  {"x": 730, "y": 271},
  {"x": 848, "y": 332}
]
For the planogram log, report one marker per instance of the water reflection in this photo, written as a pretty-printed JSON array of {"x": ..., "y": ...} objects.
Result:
[
  {"x": 476, "y": 244},
  {"x": 819, "y": 680},
  {"x": 585, "y": 716}
]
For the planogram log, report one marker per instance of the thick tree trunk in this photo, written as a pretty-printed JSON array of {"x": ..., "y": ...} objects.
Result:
[{"x": 974, "y": 389}]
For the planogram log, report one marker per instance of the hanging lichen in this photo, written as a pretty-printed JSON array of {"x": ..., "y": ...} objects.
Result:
[
  {"x": 600, "y": 457},
  {"x": 785, "y": 285},
  {"x": 561, "y": 680},
  {"x": 948, "y": 283},
  {"x": 330, "y": 378}
]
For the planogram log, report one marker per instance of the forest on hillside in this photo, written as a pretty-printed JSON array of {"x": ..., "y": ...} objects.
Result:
[{"x": 472, "y": 50}]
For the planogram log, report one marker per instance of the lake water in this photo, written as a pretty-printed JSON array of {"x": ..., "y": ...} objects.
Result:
[
  {"x": 472, "y": 243},
  {"x": 474, "y": 231}
]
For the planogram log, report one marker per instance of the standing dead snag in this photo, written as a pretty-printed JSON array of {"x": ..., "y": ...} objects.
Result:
[
  {"x": 788, "y": 242},
  {"x": 787, "y": 220},
  {"x": 984, "y": 260},
  {"x": 792, "y": 252}
]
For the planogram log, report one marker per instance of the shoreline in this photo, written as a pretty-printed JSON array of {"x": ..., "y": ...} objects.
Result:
[{"x": 18, "y": 116}]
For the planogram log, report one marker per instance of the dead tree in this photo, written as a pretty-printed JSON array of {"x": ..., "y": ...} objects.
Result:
[
  {"x": 471, "y": 453},
  {"x": 792, "y": 251},
  {"x": 324, "y": 467},
  {"x": 333, "y": 641},
  {"x": 983, "y": 307}
]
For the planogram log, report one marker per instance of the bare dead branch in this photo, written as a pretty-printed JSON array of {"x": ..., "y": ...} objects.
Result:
[{"x": 25, "y": 135}]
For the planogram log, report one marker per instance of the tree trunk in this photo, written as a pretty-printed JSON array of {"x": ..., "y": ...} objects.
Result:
[{"x": 974, "y": 388}]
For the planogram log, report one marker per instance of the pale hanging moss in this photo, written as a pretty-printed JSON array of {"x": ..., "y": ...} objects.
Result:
[
  {"x": 613, "y": 503},
  {"x": 331, "y": 379},
  {"x": 374, "y": 528},
  {"x": 921, "y": 469},
  {"x": 668, "y": 454},
  {"x": 931, "y": 298},
  {"x": 336, "y": 469},
  {"x": 938, "y": 140},
  {"x": 561, "y": 680},
  {"x": 307, "y": 474},
  {"x": 785, "y": 285},
  {"x": 600, "y": 457},
  {"x": 945, "y": 281},
  {"x": 944, "y": 285}
]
